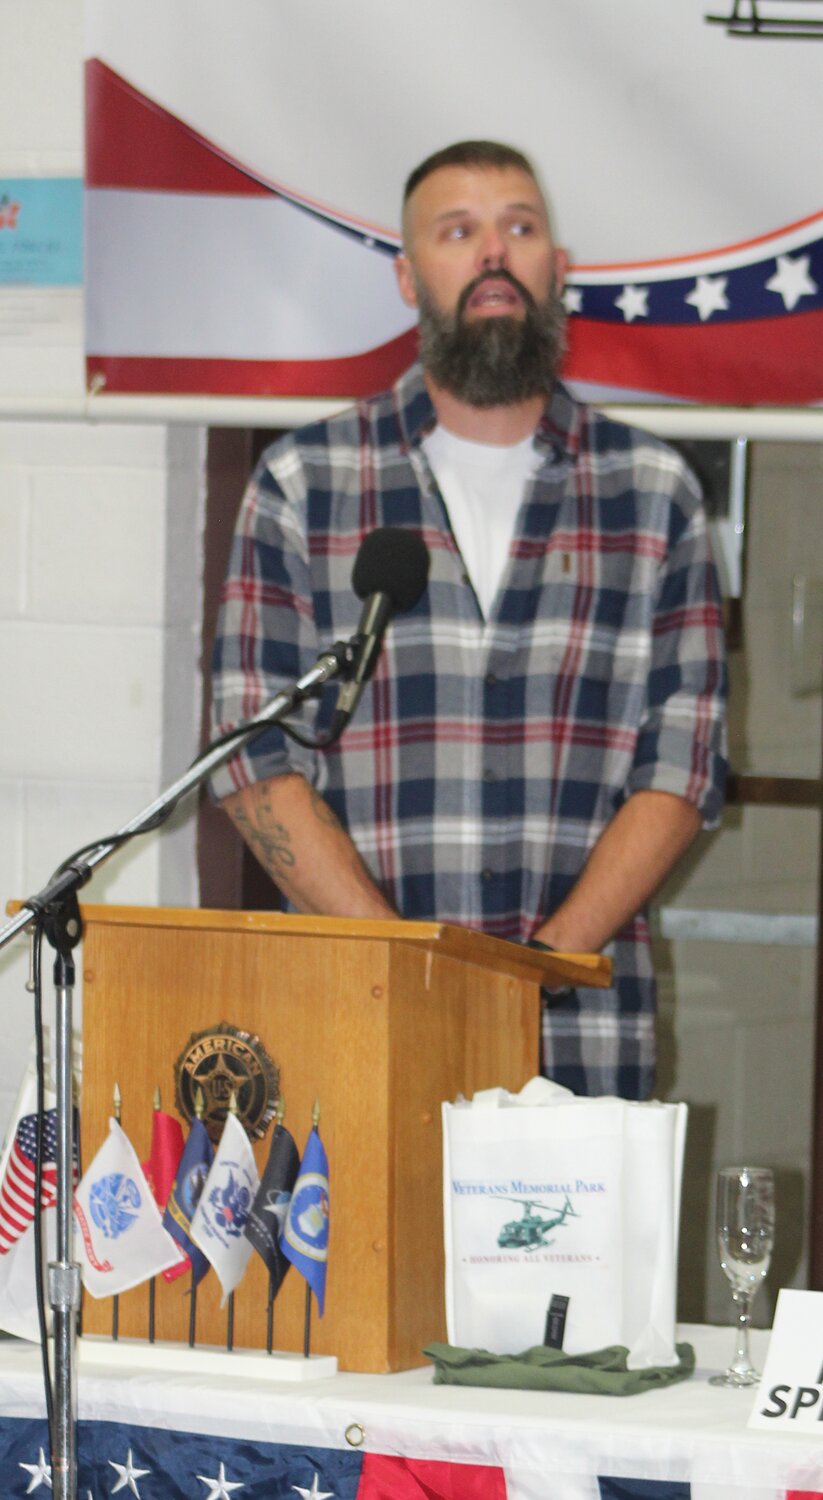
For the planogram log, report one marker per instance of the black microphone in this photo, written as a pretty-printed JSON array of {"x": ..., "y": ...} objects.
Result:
[{"x": 390, "y": 572}]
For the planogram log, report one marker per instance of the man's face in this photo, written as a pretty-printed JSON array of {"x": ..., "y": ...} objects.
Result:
[
  {"x": 463, "y": 223},
  {"x": 481, "y": 268}
]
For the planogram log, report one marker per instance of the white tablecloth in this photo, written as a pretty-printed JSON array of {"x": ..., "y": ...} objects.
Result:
[{"x": 550, "y": 1446}]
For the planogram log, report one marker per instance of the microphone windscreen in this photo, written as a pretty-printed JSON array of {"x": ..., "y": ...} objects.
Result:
[{"x": 394, "y": 562}]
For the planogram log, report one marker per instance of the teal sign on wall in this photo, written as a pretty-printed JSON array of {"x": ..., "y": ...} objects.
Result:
[{"x": 41, "y": 231}]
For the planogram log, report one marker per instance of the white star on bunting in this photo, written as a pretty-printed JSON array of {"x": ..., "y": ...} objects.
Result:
[
  {"x": 573, "y": 299},
  {"x": 40, "y": 1473},
  {"x": 314, "y": 1493},
  {"x": 128, "y": 1475},
  {"x": 221, "y": 1487},
  {"x": 709, "y": 296},
  {"x": 792, "y": 280},
  {"x": 633, "y": 302}
]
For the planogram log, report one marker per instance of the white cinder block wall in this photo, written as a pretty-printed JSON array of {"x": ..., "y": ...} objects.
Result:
[{"x": 100, "y": 565}]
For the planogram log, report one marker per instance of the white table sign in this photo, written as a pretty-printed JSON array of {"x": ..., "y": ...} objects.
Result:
[{"x": 790, "y": 1395}]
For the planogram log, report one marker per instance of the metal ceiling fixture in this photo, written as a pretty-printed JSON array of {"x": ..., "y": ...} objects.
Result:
[{"x": 749, "y": 18}]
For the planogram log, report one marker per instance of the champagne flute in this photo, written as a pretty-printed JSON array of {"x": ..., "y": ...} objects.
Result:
[{"x": 745, "y": 1235}]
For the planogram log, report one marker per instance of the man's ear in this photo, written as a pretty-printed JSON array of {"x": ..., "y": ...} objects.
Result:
[
  {"x": 405, "y": 280},
  {"x": 561, "y": 266}
]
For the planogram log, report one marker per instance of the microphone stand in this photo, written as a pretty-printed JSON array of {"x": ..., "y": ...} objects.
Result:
[{"x": 56, "y": 909}]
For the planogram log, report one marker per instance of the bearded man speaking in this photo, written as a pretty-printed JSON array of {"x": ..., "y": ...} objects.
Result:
[{"x": 544, "y": 734}]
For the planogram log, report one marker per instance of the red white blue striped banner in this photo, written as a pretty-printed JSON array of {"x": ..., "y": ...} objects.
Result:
[{"x": 208, "y": 274}]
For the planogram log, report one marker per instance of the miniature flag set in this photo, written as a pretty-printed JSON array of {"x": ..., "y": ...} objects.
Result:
[
  {"x": 191, "y": 1207},
  {"x": 214, "y": 1214}
]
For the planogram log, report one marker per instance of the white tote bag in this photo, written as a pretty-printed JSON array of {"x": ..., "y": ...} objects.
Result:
[{"x": 568, "y": 1198}]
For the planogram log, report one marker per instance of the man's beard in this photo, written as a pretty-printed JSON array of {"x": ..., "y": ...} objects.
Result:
[{"x": 494, "y": 361}]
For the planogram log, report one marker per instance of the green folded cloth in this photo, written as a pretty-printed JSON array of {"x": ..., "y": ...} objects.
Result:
[{"x": 604, "y": 1372}]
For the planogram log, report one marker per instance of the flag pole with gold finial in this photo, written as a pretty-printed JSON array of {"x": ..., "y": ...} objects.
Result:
[
  {"x": 117, "y": 1108},
  {"x": 153, "y": 1282},
  {"x": 279, "y": 1116},
  {"x": 199, "y": 1111},
  {"x": 315, "y": 1121},
  {"x": 230, "y": 1311}
]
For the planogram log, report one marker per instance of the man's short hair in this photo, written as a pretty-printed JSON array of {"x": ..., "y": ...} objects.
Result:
[{"x": 468, "y": 154}]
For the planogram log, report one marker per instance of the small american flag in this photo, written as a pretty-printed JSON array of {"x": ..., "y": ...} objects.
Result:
[{"x": 17, "y": 1187}]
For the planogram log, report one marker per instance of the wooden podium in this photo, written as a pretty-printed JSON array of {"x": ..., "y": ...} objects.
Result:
[{"x": 380, "y": 1021}]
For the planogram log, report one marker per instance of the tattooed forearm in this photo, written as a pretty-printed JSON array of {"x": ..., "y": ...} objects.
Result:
[
  {"x": 306, "y": 851},
  {"x": 269, "y": 839}
]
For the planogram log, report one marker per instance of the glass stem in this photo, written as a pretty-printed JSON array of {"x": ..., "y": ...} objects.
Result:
[{"x": 743, "y": 1304}]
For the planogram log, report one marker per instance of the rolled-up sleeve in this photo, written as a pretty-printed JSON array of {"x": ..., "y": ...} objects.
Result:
[
  {"x": 266, "y": 637},
  {"x": 681, "y": 746}
]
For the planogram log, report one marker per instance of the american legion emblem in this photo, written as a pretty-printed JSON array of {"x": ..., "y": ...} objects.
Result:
[{"x": 221, "y": 1061}]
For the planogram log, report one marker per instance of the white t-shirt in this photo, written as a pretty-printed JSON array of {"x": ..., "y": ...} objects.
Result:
[{"x": 482, "y": 485}]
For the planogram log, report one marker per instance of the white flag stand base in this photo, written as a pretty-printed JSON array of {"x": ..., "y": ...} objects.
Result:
[{"x": 96, "y": 1354}]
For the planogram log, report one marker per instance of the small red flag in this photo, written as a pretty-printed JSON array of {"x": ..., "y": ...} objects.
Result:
[{"x": 166, "y": 1151}]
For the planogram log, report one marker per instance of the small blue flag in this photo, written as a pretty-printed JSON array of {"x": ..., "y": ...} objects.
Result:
[
  {"x": 198, "y": 1155},
  {"x": 305, "y": 1238}
]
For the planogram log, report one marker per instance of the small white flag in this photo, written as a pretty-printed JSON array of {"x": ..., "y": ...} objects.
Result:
[
  {"x": 122, "y": 1240},
  {"x": 225, "y": 1202}
]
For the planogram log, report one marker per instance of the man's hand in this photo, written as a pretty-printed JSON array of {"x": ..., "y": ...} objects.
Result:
[
  {"x": 308, "y": 854},
  {"x": 629, "y": 862}
]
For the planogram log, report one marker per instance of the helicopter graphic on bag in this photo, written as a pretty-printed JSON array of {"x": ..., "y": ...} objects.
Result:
[{"x": 529, "y": 1233}]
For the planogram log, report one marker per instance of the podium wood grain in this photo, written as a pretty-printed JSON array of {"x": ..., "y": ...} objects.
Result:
[{"x": 380, "y": 1021}]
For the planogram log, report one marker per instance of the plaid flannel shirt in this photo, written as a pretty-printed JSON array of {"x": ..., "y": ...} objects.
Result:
[{"x": 486, "y": 756}]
